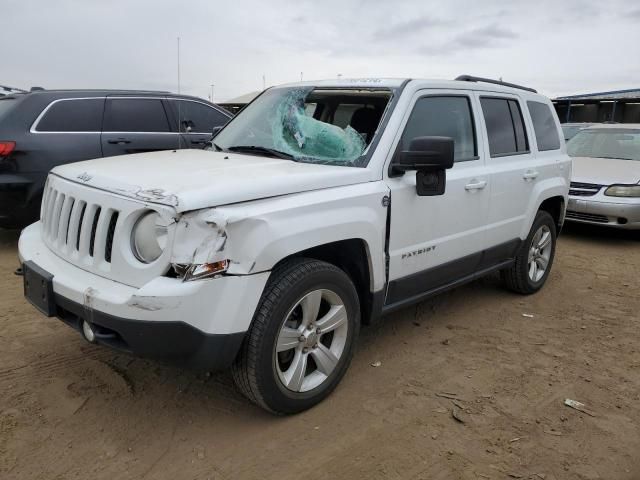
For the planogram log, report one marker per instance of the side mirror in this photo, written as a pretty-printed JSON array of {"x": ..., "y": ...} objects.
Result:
[
  {"x": 216, "y": 130},
  {"x": 431, "y": 157}
]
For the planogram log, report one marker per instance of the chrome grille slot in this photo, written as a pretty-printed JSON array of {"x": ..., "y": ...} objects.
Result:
[
  {"x": 578, "y": 189},
  {"x": 589, "y": 217}
]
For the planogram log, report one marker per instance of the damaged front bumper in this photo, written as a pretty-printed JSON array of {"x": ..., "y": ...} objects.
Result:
[{"x": 199, "y": 323}]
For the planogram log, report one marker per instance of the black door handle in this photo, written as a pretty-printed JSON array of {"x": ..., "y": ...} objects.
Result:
[
  {"x": 120, "y": 141},
  {"x": 200, "y": 141}
]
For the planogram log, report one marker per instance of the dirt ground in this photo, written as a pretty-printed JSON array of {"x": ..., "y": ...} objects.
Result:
[{"x": 70, "y": 410}]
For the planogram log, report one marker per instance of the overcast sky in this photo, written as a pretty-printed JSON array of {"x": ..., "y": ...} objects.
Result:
[{"x": 559, "y": 47}]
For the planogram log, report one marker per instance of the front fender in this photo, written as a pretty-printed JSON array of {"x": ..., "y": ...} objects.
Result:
[{"x": 256, "y": 235}]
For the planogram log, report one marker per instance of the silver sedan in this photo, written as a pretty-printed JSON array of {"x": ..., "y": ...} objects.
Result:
[{"x": 605, "y": 184}]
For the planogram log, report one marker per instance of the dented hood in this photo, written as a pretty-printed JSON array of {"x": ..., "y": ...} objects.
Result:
[{"x": 194, "y": 179}]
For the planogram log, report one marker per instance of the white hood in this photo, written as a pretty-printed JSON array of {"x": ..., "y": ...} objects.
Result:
[
  {"x": 605, "y": 171},
  {"x": 194, "y": 179}
]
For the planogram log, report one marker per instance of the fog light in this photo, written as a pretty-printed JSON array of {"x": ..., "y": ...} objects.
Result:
[{"x": 88, "y": 332}]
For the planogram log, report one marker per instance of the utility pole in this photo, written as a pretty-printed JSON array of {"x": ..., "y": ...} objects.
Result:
[
  {"x": 264, "y": 82},
  {"x": 212, "y": 85}
]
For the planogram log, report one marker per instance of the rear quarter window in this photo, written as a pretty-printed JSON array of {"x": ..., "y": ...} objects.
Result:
[
  {"x": 72, "y": 115},
  {"x": 544, "y": 126}
]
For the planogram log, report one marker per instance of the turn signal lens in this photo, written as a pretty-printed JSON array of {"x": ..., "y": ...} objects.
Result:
[
  {"x": 204, "y": 270},
  {"x": 6, "y": 148}
]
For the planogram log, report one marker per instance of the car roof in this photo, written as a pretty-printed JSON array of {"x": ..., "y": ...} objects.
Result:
[
  {"x": 391, "y": 83},
  {"x": 76, "y": 93}
]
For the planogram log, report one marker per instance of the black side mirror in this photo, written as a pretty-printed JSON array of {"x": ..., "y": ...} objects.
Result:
[
  {"x": 430, "y": 156},
  {"x": 216, "y": 130}
]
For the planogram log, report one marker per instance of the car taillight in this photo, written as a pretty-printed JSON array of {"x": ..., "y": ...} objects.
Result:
[{"x": 6, "y": 148}]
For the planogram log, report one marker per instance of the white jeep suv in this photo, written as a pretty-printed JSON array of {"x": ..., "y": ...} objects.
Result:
[{"x": 320, "y": 207}]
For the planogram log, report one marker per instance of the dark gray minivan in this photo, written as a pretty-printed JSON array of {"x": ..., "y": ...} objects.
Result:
[{"x": 42, "y": 129}]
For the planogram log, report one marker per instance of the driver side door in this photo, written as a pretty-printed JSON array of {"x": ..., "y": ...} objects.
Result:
[{"x": 437, "y": 240}]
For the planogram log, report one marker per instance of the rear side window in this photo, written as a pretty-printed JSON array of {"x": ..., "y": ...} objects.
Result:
[
  {"x": 201, "y": 118},
  {"x": 544, "y": 126},
  {"x": 73, "y": 115},
  {"x": 135, "y": 115},
  {"x": 505, "y": 127},
  {"x": 443, "y": 117}
]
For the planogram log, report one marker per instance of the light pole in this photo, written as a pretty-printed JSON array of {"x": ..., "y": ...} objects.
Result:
[{"x": 212, "y": 85}]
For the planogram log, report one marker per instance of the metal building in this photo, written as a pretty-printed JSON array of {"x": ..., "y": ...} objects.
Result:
[{"x": 621, "y": 106}]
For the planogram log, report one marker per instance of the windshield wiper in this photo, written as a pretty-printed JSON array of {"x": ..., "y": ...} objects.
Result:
[{"x": 255, "y": 148}]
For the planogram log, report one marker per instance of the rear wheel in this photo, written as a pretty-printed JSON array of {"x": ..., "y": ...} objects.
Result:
[
  {"x": 534, "y": 260},
  {"x": 302, "y": 337}
]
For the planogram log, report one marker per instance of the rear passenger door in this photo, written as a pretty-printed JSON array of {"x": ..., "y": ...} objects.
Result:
[
  {"x": 136, "y": 125},
  {"x": 512, "y": 169},
  {"x": 197, "y": 121}
]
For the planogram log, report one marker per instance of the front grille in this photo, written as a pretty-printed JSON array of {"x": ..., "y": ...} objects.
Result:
[
  {"x": 91, "y": 228},
  {"x": 578, "y": 189},
  {"x": 74, "y": 226},
  {"x": 589, "y": 217}
]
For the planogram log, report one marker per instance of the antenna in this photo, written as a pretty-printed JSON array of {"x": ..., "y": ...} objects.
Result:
[{"x": 179, "y": 103}]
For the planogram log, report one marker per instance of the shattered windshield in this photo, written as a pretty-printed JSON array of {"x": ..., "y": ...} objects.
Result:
[{"x": 327, "y": 126}]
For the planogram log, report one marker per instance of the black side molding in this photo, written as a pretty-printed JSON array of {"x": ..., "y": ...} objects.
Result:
[{"x": 471, "y": 78}]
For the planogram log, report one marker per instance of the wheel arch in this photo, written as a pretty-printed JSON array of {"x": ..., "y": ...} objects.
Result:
[
  {"x": 554, "y": 206},
  {"x": 353, "y": 256}
]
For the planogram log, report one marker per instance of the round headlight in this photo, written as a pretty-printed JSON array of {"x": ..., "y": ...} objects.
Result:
[{"x": 149, "y": 237}]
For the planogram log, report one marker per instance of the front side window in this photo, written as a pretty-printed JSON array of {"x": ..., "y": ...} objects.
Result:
[
  {"x": 443, "y": 117},
  {"x": 613, "y": 143},
  {"x": 82, "y": 115},
  {"x": 544, "y": 126},
  {"x": 505, "y": 127},
  {"x": 199, "y": 118},
  {"x": 135, "y": 115},
  {"x": 314, "y": 125}
]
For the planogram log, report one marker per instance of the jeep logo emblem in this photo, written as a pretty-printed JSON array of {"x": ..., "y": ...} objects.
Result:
[{"x": 85, "y": 177}]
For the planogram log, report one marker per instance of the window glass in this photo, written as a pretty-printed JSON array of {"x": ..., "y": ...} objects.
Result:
[
  {"x": 500, "y": 126},
  {"x": 443, "y": 117},
  {"x": 518, "y": 126},
  {"x": 73, "y": 116},
  {"x": 544, "y": 126},
  {"x": 135, "y": 115},
  {"x": 201, "y": 118},
  {"x": 613, "y": 143}
]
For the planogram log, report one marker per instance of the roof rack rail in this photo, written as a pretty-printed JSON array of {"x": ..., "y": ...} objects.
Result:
[{"x": 471, "y": 78}]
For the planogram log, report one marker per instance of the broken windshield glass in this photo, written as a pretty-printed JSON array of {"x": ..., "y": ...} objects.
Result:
[{"x": 317, "y": 126}]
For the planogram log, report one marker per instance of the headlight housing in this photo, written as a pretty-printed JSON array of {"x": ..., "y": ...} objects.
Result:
[
  {"x": 623, "y": 191},
  {"x": 149, "y": 237}
]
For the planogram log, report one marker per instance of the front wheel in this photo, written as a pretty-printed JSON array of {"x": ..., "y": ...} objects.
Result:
[
  {"x": 301, "y": 339},
  {"x": 533, "y": 262}
]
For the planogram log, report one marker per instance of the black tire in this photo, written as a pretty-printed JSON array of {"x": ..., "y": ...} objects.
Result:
[
  {"x": 516, "y": 277},
  {"x": 255, "y": 370}
]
